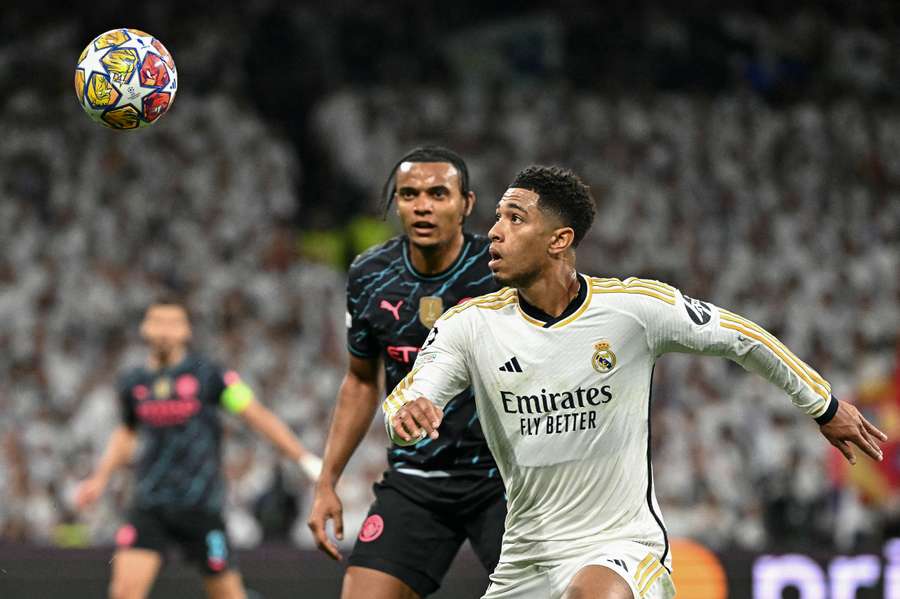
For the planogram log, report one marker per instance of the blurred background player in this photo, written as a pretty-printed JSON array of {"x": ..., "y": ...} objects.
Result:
[
  {"x": 171, "y": 405},
  {"x": 561, "y": 365},
  {"x": 434, "y": 495}
]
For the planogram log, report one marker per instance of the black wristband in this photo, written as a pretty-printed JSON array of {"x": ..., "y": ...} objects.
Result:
[{"x": 829, "y": 413}]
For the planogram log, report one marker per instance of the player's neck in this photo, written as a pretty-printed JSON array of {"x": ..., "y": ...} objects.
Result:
[
  {"x": 164, "y": 359},
  {"x": 553, "y": 291},
  {"x": 437, "y": 259}
]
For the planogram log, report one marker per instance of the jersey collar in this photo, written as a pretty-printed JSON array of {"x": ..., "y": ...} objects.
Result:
[
  {"x": 467, "y": 245},
  {"x": 538, "y": 317}
]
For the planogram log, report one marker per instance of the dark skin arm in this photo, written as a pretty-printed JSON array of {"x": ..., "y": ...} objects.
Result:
[{"x": 357, "y": 402}]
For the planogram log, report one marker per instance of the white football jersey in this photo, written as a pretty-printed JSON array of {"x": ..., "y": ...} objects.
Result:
[{"x": 564, "y": 402}]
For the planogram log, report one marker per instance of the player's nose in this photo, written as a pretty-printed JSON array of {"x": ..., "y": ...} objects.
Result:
[{"x": 494, "y": 232}]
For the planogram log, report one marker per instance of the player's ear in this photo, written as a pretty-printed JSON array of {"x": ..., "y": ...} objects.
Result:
[
  {"x": 561, "y": 240},
  {"x": 468, "y": 203}
]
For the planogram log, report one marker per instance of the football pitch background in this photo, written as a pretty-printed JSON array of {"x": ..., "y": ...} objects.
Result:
[{"x": 279, "y": 572}]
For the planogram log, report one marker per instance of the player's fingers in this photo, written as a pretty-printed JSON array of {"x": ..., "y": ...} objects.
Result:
[
  {"x": 434, "y": 414},
  {"x": 873, "y": 430},
  {"x": 334, "y": 552},
  {"x": 408, "y": 429},
  {"x": 317, "y": 526},
  {"x": 868, "y": 444},
  {"x": 422, "y": 420},
  {"x": 845, "y": 449},
  {"x": 397, "y": 422},
  {"x": 339, "y": 525}
]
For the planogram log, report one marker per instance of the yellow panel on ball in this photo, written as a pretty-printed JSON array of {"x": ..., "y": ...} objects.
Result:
[
  {"x": 100, "y": 92},
  {"x": 126, "y": 117}
]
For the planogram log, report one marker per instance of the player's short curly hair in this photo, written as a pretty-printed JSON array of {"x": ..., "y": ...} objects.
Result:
[
  {"x": 170, "y": 297},
  {"x": 561, "y": 192}
]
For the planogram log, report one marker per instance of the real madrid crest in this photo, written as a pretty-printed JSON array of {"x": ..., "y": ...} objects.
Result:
[
  {"x": 430, "y": 309},
  {"x": 603, "y": 359}
]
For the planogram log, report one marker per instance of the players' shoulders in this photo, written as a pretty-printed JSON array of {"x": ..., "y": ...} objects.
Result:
[
  {"x": 632, "y": 289},
  {"x": 484, "y": 304},
  {"x": 131, "y": 376},
  {"x": 377, "y": 257},
  {"x": 479, "y": 243}
]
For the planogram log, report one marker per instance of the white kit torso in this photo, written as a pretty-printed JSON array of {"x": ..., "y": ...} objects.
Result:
[{"x": 564, "y": 403}]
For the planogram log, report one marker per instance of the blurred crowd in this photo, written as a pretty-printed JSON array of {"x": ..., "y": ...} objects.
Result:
[
  {"x": 784, "y": 209},
  {"x": 93, "y": 226},
  {"x": 788, "y": 216}
]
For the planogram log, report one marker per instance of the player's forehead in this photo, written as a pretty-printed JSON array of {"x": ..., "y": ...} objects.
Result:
[
  {"x": 423, "y": 175},
  {"x": 518, "y": 198},
  {"x": 167, "y": 312}
]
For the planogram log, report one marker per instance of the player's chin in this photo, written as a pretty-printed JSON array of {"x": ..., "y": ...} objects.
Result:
[
  {"x": 500, "y": 278},
  {"x": 431, "y": 239}
]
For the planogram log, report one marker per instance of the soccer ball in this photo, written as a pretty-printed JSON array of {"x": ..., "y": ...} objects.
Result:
[{"x": 125, "y": 79}]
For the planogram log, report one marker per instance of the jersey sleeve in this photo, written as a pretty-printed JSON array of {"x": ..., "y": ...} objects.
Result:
[
  {"x": 227, "y": 390},
  {"x": 360, "y": 340},
  {"x": 126, "y": 405},
  {"x": 439, "y": 374},
  {"x": 677, "y": 323}
]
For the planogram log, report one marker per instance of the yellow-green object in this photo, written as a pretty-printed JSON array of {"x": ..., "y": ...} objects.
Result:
[{"x": 236, "y": 397}]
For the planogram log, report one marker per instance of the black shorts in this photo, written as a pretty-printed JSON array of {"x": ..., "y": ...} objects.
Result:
[
  {"x": 417, "y": 525},
  {"x": 199, "y": 534}
]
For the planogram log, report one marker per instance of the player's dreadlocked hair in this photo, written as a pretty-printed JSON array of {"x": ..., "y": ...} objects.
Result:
[
  {"x": 430, "y": 153},
  {"x": 561, "y": 192}
]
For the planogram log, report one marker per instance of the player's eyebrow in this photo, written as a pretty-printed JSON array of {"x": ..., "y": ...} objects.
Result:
[{"x": 511, "y": 205}]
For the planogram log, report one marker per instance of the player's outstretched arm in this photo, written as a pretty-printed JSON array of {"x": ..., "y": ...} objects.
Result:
[
  {"x": 678, "y": 323},
  {"x": 270, "y": 426},
  {"x": 118, "y": 452},
  {"x": 357, "y": 402},
  {"x": 849, "y": 426}
]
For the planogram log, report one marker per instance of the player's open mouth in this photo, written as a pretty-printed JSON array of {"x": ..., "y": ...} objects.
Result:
[
  {"x": 423, "y": 227},
  {"x": 495, "y": 258}
]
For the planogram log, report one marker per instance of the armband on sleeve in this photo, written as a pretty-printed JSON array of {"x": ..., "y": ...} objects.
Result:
[{"x": 237, "y": 394}]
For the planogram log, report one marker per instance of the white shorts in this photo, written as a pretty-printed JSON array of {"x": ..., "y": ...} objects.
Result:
[{"x": 639, "y": 567}]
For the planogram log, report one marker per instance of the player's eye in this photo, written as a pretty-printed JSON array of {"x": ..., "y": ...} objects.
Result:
[
  {"x": 439, "y": 194},
  {"x": 516, "y": 218}
]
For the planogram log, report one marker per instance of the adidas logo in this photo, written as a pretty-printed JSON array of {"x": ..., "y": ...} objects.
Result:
[{"x": 512, "y": 365}]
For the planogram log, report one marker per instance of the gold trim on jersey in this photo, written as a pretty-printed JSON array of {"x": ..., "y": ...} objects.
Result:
[
  {"x": 646, "y": 573},
  {"x": 574, "y": 316},
  {"x": 529, "y": 319},
  {"x": 490, "y": 301},
  {"x": 395, "y": 400},
  {"x": 579, "y": 311},
  {"x": 728, "y": 322},
  {"x": 635, "y": 286},
  {"x": 809, "y": 370}
]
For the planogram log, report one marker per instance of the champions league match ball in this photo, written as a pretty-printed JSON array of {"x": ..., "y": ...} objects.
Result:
[{"x": 125, "y": 79}]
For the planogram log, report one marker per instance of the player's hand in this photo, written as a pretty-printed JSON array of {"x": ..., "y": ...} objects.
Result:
[
  {"x": 326, "y": 506},
  {"x": 89, "y": 491},
  {"x": 848, "y": 426},
  {"x": 417, "y": 419}
]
